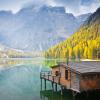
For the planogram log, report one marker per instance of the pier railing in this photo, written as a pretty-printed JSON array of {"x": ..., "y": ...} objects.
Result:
[
  {"x": 49, "y": 76},
  {"x": 45, "y": 74}
]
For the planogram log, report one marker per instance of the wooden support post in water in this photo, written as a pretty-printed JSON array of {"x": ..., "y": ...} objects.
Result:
[
  {"x": 41, "y": 95},
  {"x": 61, "y": 90},
  {"x": 87, "y": 95},
  {"x": 74, "y": 94},
  {"x": 45, "y": 83},
  {"x": 41, "y": 83},
  {"x": 56, "y": 87},
  {"x": 52, "y": 85}
]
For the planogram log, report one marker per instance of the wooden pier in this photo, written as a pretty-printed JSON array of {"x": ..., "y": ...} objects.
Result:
[{"x": 78, "y": 76}]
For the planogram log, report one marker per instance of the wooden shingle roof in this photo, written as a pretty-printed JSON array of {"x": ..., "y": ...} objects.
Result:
[{"x": 84, "y": 66}]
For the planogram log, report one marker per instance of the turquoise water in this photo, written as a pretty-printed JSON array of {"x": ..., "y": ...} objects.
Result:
[{"x": 20, "y": 80}]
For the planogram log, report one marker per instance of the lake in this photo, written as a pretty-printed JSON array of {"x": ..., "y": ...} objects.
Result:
[{"x": 20, "y": 80}]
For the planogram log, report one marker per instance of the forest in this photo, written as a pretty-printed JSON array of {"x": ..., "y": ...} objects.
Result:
[{"x": 83, "y": 44}]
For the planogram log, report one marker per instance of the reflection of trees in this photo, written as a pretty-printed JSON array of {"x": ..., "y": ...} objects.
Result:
[
  {"x": 50, "y": 95},
  {"x": 14, "y": 62},
  {"x": 50, "y": 62},
  {"x": 67, "y": 95},
  {"x": 19, "y": 54}
]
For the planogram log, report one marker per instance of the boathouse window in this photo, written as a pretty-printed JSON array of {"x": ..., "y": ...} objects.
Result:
[
  {"x": 56, "y": 73},
  {"x": 66, "y": 74}
]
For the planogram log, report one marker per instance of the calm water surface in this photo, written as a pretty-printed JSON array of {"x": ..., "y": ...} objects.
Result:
[{"x": 20, "y": 80}]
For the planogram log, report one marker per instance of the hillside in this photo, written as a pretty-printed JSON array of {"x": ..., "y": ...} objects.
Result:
[{"x": 84, "y": 44}]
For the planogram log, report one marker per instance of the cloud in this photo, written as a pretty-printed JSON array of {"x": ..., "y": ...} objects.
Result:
[
  {"x": 16, "y": 5},
  {"x": 76, "y": 7},
  {"x": 13, "y": 5}
]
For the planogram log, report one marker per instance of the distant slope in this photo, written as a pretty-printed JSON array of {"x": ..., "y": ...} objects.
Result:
[
  {"x": 82, "y": 18},
  {"x": 85, "y": 43},
  {"x": 37, "y": 28}
]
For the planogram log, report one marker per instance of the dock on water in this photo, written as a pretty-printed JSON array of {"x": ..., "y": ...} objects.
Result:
[{"x": 75, "y": 76}]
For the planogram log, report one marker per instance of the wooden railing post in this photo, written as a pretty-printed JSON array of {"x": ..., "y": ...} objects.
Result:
[
  {"x": 59, "y": 80},
  {"x": 53, "y": 78},
  {"x": 48, "y": 75}
]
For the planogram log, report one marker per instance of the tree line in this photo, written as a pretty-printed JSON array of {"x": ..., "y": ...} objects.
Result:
[{"x": 84, "y": 44}]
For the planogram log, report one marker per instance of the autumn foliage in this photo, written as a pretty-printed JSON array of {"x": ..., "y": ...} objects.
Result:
[{"x": 84, "y": 44}]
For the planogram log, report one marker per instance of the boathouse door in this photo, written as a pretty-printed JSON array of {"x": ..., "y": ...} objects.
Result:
[{"x": 75, "y": 84}]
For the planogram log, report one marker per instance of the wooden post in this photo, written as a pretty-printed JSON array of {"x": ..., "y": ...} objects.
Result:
[
  {"x": 45, "y": 83},
  {"x": 74, "y": 94},
  {"x": 87, "y": 95},
  {"x": 41, "y": 95},
  {"x": 53, "y": 78},
  {"x": 41, "y": 83},
  {"x": 59, "y": 80},
  {"x": 41, "y": 79},
  {"x": 61, "y": 90},
  {"x": 48, "y": 75},
  {"x": 52, "y": 85},
  {"x": 56, "y": 87}
]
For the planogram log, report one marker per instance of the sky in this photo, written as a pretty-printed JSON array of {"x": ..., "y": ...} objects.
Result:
[{"x": 77, "y": 7}]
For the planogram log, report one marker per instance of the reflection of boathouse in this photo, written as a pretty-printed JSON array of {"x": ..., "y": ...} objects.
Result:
[{"x": 77, "y": 76}]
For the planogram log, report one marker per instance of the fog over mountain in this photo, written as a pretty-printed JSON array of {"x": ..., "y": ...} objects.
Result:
[{"x": 37, "y": 28}]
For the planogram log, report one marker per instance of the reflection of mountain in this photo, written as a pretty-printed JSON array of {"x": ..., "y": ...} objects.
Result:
[
  {"x": 6, "y": 63},
  {"x": 85, "y": 43},
  {"x": 37, "y": 28},
  {"x": 6, "y": 52}
]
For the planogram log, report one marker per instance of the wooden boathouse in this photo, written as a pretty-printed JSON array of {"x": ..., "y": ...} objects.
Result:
[{"x": 76, "y": 76}]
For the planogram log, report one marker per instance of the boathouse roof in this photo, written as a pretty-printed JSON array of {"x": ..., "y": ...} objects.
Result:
[{"x": 83, "y": 66}]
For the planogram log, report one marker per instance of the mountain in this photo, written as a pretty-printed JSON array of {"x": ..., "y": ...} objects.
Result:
[
  {"x": 84, "y": 43},
  {"x": 37, "y": 28},
  {"x": 82, "y": 18}
]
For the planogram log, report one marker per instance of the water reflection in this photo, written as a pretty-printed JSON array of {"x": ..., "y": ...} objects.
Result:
[
  {"x": 13, "y": 62},
  {"x": 67, "y": 95},
  {"x": 51, "y": 95},
  {"x": 20, "y": 80}
]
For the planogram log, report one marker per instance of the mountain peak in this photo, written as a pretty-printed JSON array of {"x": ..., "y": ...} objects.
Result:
[
  {"x": 39, "y": 27},
  {"x": 53, "y": 9},
  {"x": 94, "y": 17}
]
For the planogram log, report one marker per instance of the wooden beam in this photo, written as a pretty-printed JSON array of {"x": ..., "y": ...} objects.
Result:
[
  {"x": 56, "y": 87},
  {"x": 41, "y": 83},
  {"x": 45, "y": 84},
  {"x": 61, "y": 90},
  {"x": 52, "y": 83}
]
